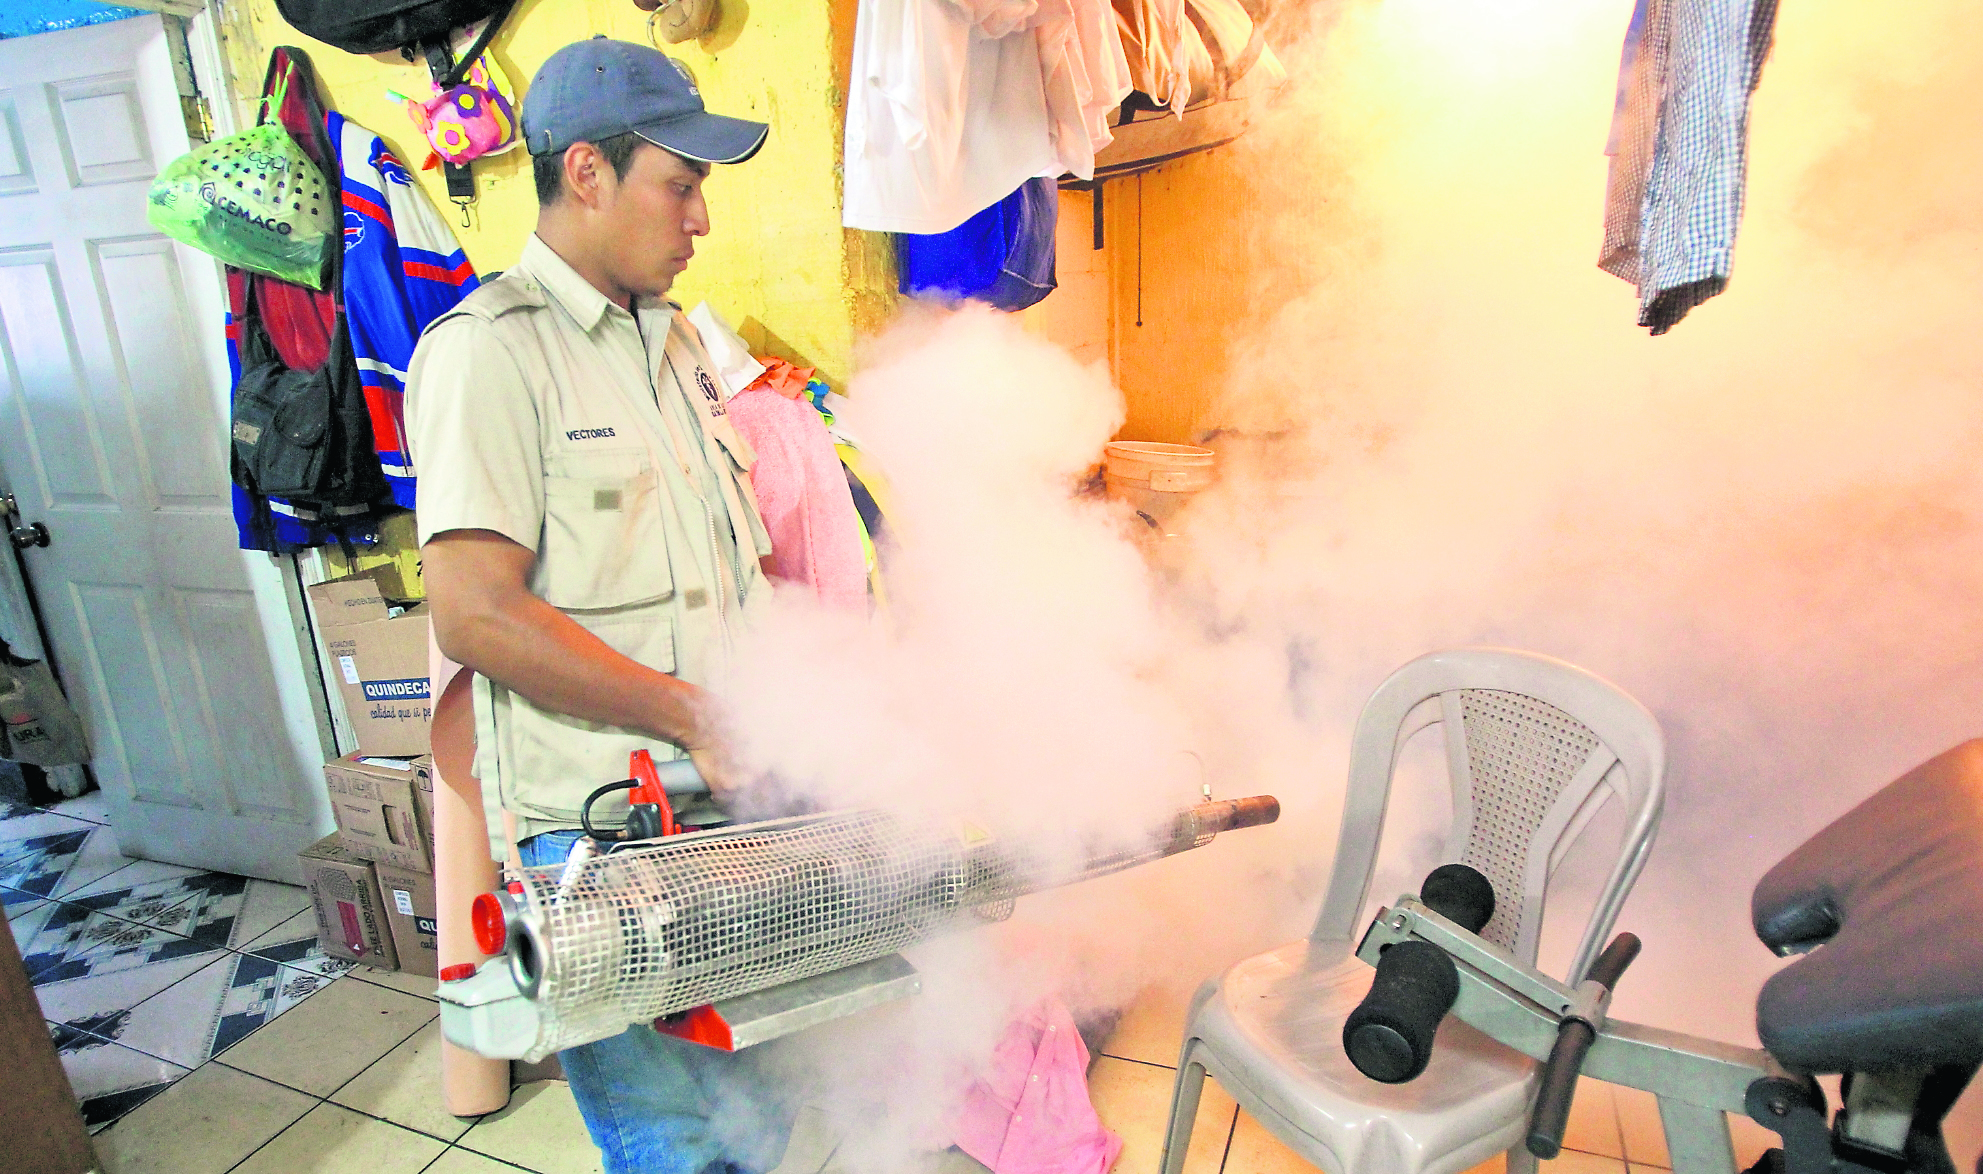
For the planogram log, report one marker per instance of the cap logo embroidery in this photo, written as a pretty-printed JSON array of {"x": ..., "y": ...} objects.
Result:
[{"x": 683, "y": 70}]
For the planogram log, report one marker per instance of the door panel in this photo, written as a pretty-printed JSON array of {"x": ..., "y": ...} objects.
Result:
[
  {"x": 128, "y": 676},
  {"x": 157, "y": 358},
  {"x": 112, "y": 433},
  {"x": 102, "y": 129},
  {"x": 16, "y": 166},
  {"x": 227, "y": 678},
  {"x": 45, "y": 381}
]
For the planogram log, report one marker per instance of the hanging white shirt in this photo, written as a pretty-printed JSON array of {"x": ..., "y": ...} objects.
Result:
[
  {"x": 947, "y": 115},
  {"x": 1087, "y": 77}
]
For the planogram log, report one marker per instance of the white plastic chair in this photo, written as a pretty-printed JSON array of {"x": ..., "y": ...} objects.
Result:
[{"x": 1534, "y": 747}]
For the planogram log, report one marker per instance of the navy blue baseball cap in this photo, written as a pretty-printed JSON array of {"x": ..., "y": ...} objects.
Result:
[{"x": 593, "y": 90}]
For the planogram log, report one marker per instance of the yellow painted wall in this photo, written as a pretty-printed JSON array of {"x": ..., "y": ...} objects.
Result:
[{"x": 777, "y": 262}]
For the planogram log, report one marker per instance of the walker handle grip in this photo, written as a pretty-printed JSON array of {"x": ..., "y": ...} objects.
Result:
[
  {"x": 1574, "y": 1037},
  {"x": 1557, "y": 1087}
]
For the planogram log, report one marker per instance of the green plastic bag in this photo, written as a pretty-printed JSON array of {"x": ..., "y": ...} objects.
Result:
[{"x": 254, "y": 200}]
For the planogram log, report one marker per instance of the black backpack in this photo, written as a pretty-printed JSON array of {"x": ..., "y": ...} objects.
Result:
[
  {"x": 303, "y": 436},
  {"x": 412, "y": 26}
]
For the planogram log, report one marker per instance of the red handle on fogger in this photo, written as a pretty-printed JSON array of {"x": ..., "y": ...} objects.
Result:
[{"x": 647, "y": 789}]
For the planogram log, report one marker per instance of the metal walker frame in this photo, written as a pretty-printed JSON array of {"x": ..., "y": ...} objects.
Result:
[{"x": 1697, "y": 1080}]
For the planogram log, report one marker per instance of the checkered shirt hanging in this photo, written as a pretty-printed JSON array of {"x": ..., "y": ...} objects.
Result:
[
  {"x": 1634, "y": 127},
  {"x": 1703, "y": 59}
]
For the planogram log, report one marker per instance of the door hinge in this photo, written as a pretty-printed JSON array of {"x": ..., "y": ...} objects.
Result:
[{"x": 199, "y": 119}]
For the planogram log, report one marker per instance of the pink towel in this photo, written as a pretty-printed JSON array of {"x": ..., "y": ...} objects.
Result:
[
  {"x": 802, "y": 493},
  {"x": 1031, "y": 1113}
]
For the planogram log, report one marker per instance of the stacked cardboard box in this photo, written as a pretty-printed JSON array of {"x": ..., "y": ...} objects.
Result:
[
  {"x": 344, "y": 890},
  {"x": 375, "y": 902},
  {"x": 376, "y": 654}
]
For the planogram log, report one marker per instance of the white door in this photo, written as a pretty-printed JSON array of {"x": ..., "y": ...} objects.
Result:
[{"x": 176, "y": 645}]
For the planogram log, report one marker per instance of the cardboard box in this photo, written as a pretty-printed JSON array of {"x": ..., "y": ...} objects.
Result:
[
  {"x": 423, "y": 799},
  {"x": 377, "y": 804},
  {"x": 351, "y": 917},
  {"x": 397, "y": 708},
  {"x": 394, "y": 564},
  {"x": 379, "y": 662},
  {"x": 409, "y": 902}
]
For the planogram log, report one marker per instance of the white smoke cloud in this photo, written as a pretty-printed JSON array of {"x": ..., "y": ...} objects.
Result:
[{"x": 1440, "y": 427}]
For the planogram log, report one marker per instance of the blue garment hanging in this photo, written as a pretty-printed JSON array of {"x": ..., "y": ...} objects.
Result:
[{"x": 1004, "y": 255}]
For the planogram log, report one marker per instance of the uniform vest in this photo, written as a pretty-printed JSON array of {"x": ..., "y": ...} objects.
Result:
[{"x": 622, "y": 552}]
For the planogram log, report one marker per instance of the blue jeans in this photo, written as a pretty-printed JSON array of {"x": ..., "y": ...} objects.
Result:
[{"x": 658, "y": 1105}]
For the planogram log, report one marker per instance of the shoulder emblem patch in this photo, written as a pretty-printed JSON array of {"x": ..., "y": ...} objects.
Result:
[{"x": 709, "y": 392}]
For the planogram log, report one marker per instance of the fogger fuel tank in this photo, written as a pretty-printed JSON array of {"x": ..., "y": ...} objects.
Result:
[{"x": 780, "y": 924}]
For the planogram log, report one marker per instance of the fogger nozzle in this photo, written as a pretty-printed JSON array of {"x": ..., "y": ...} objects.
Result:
[{"x": 1225, "y": 815}]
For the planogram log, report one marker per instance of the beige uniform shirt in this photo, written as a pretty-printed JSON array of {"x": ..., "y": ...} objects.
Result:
[{"x": 596, "y": 438}]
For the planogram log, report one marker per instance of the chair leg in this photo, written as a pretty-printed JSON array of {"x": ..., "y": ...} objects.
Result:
[
  {"x": 1184, "y": 1113},
  {"x": 1521, "y": 1161}
]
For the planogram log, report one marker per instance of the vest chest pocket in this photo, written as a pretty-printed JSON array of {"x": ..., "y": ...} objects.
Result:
[
  {"x": 741, "y": 458},
  {"x": 605, "y": 544}
]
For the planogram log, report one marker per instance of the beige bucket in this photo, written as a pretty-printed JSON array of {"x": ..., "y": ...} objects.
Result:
[{"x": 1156, "y": 480}]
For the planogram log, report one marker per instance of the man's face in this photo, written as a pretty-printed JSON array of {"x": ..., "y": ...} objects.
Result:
[{"x": 653, "y": 215}]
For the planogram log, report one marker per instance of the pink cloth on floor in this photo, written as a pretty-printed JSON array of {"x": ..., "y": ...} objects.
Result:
[
  {"x": 802, "y": 493},
  {"x": 1031, "y": 1114}
]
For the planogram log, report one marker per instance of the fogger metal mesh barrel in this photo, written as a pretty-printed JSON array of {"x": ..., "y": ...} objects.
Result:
[{"x": 649, "y": 931}]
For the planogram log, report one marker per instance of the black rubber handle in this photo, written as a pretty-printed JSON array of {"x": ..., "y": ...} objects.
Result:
[
  {"x": 1574, "y": 1038},
  {"x": 1611, "y": 964},
  {"x": 1389, "y": 1035},
  {"x": 1558, "y": 1087},
  {"x": 1459, "y": 894}
]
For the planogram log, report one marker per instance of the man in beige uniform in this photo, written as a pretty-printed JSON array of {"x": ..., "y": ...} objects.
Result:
[{"x": 589, "y": 538}]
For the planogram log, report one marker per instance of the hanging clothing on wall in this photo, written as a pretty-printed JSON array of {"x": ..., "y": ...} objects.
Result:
[
  {"x": 402, "y": 270},
  {"x": 1634, "y": 132},
  {"x": 399, "y": 269},
  {"x": 300, "y": 324},
  {"x": 1003, "y": 256},
  {"x": 1087, "y": 77},
  {"x": 1701, "y": 59},
  {"x": 956, "y": 103},
  {"x": 1237, "y": 46},
  {"x": 1153, "y": 36},
  {"x": 1184, "y": 52},
  {"x": 802, "y": 492},
  {"x": 947, "y": 114}
]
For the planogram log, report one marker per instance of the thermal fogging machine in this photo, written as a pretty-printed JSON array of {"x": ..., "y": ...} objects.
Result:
[{"x": 741, "y": 934}]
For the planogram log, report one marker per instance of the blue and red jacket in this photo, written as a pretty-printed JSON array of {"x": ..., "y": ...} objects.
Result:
[{"x": 402, "y": 270}]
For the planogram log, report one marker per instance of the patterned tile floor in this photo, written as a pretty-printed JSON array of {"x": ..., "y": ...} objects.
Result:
[{"x": 205, "y": 1033}]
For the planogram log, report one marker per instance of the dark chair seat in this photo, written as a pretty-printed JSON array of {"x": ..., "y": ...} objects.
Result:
[{"x": 1891, "y": 896}]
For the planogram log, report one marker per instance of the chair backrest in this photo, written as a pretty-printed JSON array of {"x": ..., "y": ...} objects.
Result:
[{"x": 1534, "y": 748}]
